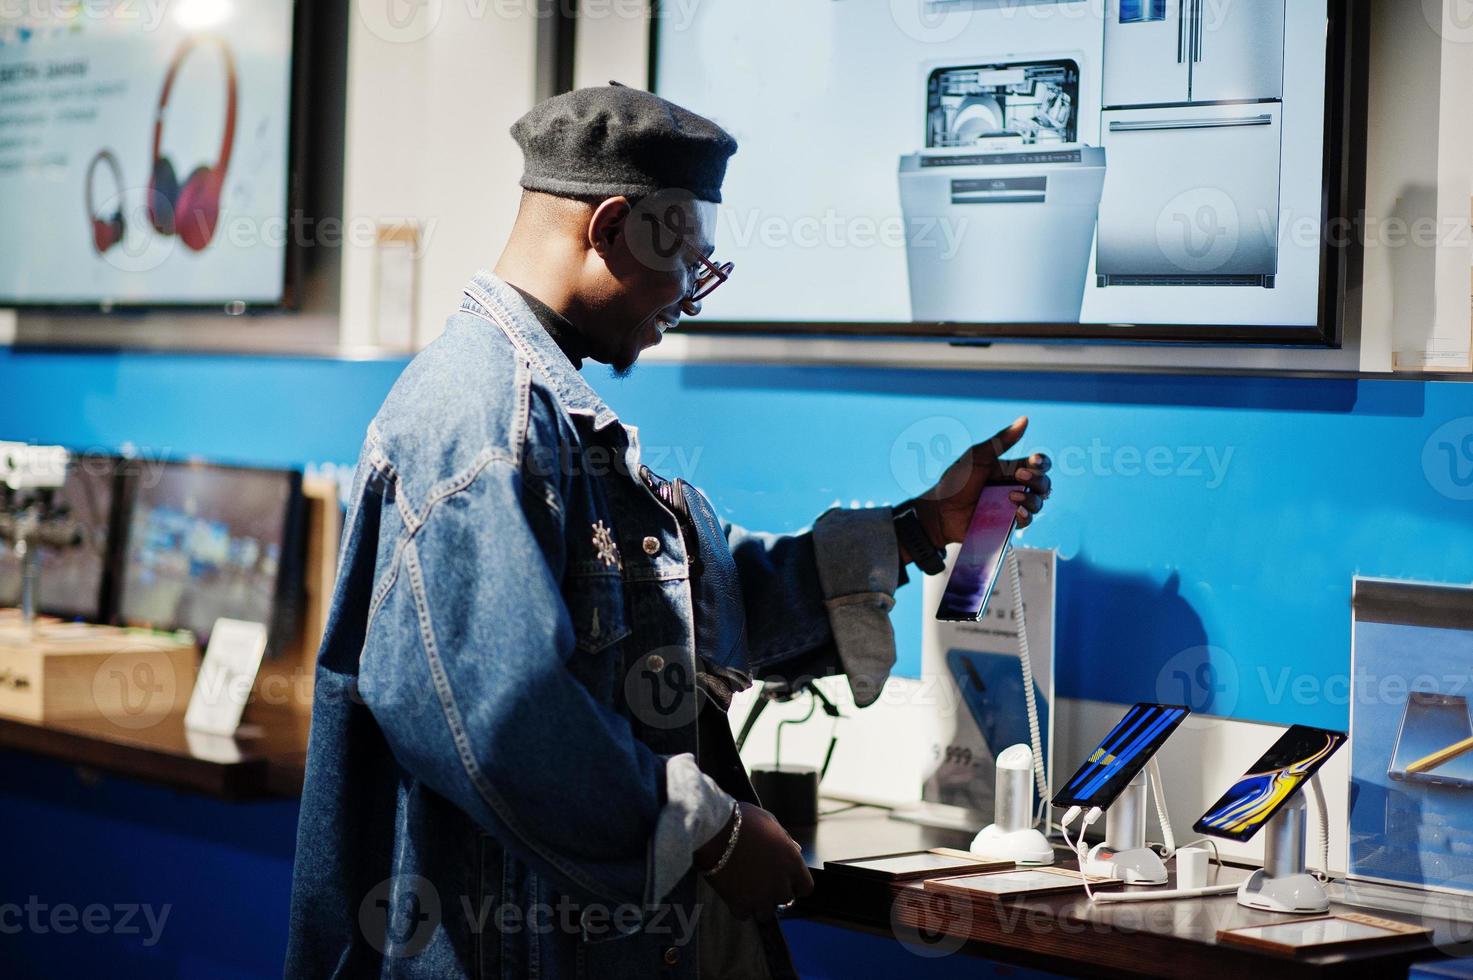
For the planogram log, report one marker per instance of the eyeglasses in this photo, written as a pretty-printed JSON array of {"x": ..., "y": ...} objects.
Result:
[
  {"x": 705, "y": 275},
  {"x": 708, "y": 277}
]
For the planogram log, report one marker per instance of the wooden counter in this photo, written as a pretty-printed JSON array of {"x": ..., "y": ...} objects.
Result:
[{"x": 1068, "y": 934}]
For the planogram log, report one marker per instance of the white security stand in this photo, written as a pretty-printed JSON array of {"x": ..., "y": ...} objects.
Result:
[
  {"x": 1123, "y": 854},
  {"x": 1012, "y": 836},
  {"x": 1283, "y": 885}
]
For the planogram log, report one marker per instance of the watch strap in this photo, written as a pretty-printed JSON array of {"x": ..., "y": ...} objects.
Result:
[{"x": 911, "y": 535}]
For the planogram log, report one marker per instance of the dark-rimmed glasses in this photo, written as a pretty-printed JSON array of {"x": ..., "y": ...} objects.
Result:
[{"x": 709, "y": 277}]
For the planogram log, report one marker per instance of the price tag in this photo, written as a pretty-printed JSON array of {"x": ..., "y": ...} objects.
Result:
[{"x": 226, "y": 677}]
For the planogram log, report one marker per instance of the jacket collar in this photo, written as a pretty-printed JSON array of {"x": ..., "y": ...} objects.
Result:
[{"x": 488, "y": 295}]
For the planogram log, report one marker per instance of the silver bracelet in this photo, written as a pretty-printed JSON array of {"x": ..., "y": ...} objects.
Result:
[{"x": 736, "y": 828}]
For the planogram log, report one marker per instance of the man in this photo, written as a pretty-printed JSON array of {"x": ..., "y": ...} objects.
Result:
[{"x": 520, "y": 763}]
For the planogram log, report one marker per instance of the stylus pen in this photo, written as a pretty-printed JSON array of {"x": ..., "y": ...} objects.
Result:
[{"x": 1441, "y": 756}]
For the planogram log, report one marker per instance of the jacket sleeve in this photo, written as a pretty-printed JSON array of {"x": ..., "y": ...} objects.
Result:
[
  {"x": 474, "y": 695},
  {"x": 819, "y": 601}
]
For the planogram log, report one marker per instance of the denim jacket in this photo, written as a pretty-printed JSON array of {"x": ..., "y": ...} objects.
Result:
[{"x": 502, "y": 776}]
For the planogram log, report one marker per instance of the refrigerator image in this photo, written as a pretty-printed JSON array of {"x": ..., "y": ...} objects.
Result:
[
  {"x": 1192, "y": 122},
  {"x": 1002, "y": 170}
]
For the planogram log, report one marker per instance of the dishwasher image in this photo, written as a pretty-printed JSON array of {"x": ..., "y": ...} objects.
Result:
[
  {"x": 1192, "y": 120},
  {"x": 1001, "y": 204}
]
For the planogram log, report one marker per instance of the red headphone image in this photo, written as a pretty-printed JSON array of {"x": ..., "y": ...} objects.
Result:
[
  {"x": 192, "y": 210},
  {"x": 106, "y": 232}
]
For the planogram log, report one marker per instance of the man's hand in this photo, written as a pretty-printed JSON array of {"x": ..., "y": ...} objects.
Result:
[
  {"x": 765, "y": 871},
  {"x": 946, "y": 509}
]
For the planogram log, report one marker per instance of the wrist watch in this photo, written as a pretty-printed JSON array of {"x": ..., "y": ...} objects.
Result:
[{"x": 912, "y": 536}]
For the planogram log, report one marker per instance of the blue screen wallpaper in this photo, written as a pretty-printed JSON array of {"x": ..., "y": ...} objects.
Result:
[{"x": 1121, "y": 755}]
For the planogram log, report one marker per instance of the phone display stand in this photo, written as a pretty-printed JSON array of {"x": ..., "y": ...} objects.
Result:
[
  {"x": 1012, "y": 836},
  {"x": 1123, "y": 854},
  {"x": 978, "y": 666},
  {"x": 1283, "y": 884}
]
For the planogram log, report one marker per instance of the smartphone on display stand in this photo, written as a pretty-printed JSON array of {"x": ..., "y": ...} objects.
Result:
[
  {"x": 1121, "y": 755},
  {"x": 1270, "y": 783},
  {"x": 983, "y": 550}
]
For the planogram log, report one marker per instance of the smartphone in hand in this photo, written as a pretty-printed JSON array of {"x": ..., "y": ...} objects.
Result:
[{"x": 980, "y": 563}]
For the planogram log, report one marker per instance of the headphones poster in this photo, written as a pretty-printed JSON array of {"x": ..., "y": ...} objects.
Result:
[{"x": 147, "y": 163}]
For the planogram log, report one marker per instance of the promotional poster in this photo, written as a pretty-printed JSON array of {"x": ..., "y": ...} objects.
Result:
[
  {"x": 145, "y": 163},
  {"x": 1002, "y": 162},
  {"x": 1411, "y": 797},
  {"x": 977, "y": 666}
]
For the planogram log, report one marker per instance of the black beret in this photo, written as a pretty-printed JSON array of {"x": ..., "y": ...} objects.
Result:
[{"x": 615, "y": 141}]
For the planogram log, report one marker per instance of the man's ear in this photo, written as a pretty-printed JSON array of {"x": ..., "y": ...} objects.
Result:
[{"x": 609, "y": 221}]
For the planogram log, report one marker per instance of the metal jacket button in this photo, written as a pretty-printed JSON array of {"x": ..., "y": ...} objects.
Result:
[
  {"x": 655, "y": 662},
  {"x": 652, "y": 546},
  {"x": 672, "y": 956}
]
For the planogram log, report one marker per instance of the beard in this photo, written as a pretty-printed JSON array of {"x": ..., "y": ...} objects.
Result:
[{"x": 623, "y": 363}]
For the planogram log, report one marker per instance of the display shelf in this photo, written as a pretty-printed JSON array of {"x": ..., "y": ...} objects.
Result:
[{"x": 266, "y": 761}]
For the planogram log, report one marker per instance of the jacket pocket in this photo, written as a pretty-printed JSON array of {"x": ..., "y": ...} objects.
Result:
[{"x": 596, "y": 605}]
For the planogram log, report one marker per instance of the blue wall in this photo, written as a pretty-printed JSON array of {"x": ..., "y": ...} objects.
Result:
[
  {"x": 1210, "y": 529},
  {"x": 1210, "y": 526},
  {"x": 272, "y": 411}
]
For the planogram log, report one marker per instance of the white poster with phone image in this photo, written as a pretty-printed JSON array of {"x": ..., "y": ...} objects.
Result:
[
  {"x": 976, "y": 673},
  {"x": 1411, "y": 741}
]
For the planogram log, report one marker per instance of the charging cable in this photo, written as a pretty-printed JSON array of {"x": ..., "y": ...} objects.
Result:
[
  {"x": 1078, "y": 848},
  {"x": 1035, "y": 731},
  {"x": 1070, "y": 816},
  {"x": 1169, "y": 844},
  {"x": 1322, "y": 831},
  {"x": 1322, "y": 827},
  {"x": 1089, "y": 818},
  {"x": 1115, "y": 898}
]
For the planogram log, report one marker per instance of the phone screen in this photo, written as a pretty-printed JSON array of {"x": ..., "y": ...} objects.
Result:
[
  {"x": 1432, "y": 723},
  {"x": 975, "y": 572},
  {"x": 1121, "y": 755},
  {"x": 1270, "y": 784}
]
